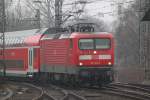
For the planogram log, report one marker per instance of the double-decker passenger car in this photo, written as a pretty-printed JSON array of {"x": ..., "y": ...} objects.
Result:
[
  {"x": 75, "y": 57},
  {"x": 21, "y": 52}
]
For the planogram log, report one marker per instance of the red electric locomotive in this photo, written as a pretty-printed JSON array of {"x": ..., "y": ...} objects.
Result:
[
  {"x": 75, "y": 57},
  {"x": 78, "y": 57}
]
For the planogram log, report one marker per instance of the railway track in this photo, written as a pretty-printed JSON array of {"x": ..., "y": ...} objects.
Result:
[
  {"x": 140, "y": 85},
  {"x": 137, "y": 87},
  {"x": 83, "y": 93},
  {"x": 87, "y": 95},
  {"x": 5, "y": 93},
  {"x": 44, "y": 96},
  {"x": 115, "y": 90},
  {"x": 127, "y": 90},
  {"x": 24, "y": 91},
  {"x": 52, "y": 92},
  {"x": 73, "y": 96},
  {"x": 58, "y": 93},
  {"x": 29, "y": 91}
]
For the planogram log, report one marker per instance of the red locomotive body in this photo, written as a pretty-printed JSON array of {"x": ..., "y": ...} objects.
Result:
[{"x": 76, "y": 57}]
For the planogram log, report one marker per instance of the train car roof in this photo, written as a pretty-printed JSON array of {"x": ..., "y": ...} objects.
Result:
[{"x": 23, "y": 38}]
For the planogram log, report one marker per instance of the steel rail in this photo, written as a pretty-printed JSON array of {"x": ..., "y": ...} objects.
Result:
[
  {"x": 68, "y": 93},
  {"x": 38, "y": 88},
  {"x": 129, "y": 94},
  {"x": 130, "y": 86}
]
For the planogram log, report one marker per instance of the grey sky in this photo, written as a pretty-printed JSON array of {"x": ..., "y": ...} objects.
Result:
[
  {"x": 103, "y": 9},
  {"x": 106, "y": 9}
]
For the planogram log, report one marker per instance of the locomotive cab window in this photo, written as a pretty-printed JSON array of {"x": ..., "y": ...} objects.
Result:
[
  {"x": 85, "y": 44},
  {"x": 102, "y": 43}
]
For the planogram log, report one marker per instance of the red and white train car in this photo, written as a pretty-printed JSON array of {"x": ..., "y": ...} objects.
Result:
[
  {"x": 22, "y": 52},
  {"x": 80, "y": 57}
]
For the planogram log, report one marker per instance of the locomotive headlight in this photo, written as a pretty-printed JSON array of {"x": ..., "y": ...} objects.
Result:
[
  {"x": 80, "y": 64},
  {"x": 85, "y": 57},
  {"x": 109, "y": 63},
  {"x": 104, "y": 56},
  {"x": 94, "y": 52}
]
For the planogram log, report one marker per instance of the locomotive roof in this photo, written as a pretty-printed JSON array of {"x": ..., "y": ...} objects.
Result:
[
  {"x": 94, "y": 34},
  {"x": 25, "y": 37},
  {"x": 76, "y": 35}
]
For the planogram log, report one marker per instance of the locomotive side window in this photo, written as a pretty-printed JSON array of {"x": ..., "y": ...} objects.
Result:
[
  {"x": 86, "y": 44},
  {"x": 102, "y": 43}
]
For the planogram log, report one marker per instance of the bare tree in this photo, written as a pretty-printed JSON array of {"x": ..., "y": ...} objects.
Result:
[
  {"x": 8, "y": 4},
  {"x": 47, "y": 10},
  {"x": 18, "y": 17},
  {"x": 127, "y": 35}
]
